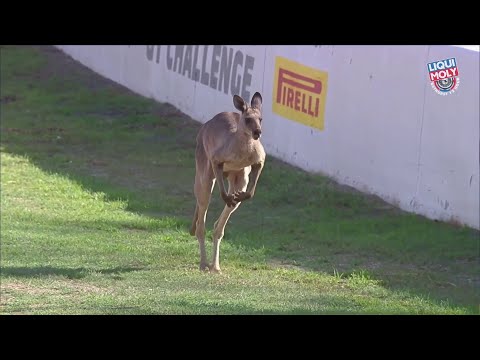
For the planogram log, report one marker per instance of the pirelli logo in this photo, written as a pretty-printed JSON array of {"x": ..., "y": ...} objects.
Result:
[{"x": 299, "y": 92}]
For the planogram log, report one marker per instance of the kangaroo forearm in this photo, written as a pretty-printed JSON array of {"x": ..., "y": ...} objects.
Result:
[
  {"x": 218, "y": 171},
  {"x": 253, "y": 178}
]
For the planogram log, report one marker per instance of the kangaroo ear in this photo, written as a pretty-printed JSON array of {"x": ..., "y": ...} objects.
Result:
[
  {"x": 239, "y": 103},
  {"x": 257, "y": 101}
]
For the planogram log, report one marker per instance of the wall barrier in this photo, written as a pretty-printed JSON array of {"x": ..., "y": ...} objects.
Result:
[{"x": 372, "y": 117}]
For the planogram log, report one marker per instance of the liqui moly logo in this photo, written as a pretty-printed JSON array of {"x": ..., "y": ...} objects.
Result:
[
  {"x": 444, "y": 76},
  {"x": 299, "y": 92}
]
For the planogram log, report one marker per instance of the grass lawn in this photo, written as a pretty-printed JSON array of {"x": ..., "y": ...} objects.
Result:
[{"x": 97, "y": 200}]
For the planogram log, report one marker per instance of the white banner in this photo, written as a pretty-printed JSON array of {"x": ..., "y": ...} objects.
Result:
[{"x": 368, "y": 116}]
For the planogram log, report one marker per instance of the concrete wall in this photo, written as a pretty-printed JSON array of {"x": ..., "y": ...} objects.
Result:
[{"x": 364, "y": 115}]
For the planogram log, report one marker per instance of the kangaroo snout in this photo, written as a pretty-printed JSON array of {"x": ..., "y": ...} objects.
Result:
[{"x": 257, "y": 133}]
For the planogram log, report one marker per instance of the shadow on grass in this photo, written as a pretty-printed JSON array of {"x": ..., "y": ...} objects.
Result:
[{"x": 70, "y": 273}]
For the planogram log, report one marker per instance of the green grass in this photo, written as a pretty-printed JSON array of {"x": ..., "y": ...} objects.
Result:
[{"x": 97, "y": 198}]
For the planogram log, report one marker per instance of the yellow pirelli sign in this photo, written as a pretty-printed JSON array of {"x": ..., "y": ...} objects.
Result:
[{"x": 299, "y": 92}]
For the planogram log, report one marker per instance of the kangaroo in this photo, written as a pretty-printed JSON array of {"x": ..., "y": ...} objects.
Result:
[{"x": 228, "y": 146}]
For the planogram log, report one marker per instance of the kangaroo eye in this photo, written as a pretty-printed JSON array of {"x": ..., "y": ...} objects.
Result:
[{"x": 247, "y": 120}]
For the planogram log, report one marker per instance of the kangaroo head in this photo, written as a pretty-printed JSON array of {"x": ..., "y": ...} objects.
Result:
[{"x": 251, "y": 117}]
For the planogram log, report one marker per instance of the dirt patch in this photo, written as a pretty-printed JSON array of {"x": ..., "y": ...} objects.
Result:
[
  {"x": 24, "y": 288},
  {"x": 286, "y": 264},
  {"x": 83, "y": 287},
  {"x": 35, "y": 131},
  {"x": 56, "y": 288},
  {"x": 8, "y": 99},
  {"x": 96, "y": 162},
  {"x": 71, "y": 290},
  {"x": 5, "y": 298},
  {"x": 15, "y": 130}
]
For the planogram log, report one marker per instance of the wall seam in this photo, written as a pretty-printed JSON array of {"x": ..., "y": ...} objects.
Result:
[{"x": 419, "y": 152}]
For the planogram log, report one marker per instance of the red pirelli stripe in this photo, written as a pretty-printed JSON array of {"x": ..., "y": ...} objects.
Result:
[{"x": 316, "y": 85}]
